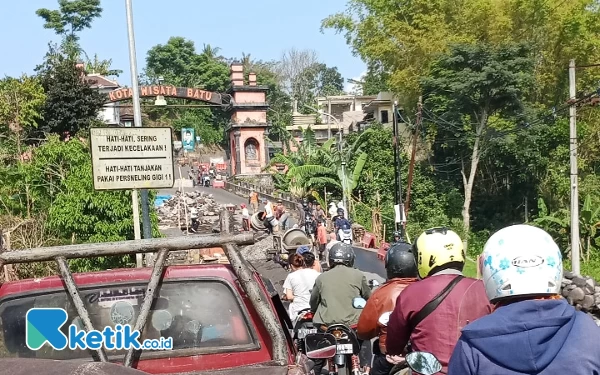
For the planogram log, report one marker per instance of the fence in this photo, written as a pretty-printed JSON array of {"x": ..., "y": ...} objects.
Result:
[{"x": 244, "y": 189}]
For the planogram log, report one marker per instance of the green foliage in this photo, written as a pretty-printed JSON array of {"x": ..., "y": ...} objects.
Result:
[
  {"x": 433, "y": 203},
  {"x": 102, "y": 67},
  {"x": 478, "y": 90},
  {"x": 71, "y": 17},
  {"x": 21, "y": 101},
  {"x": 323, "y": 80},
  {"x": 405, "y": 37},
  {"x": 58, "y": 182},
  {"x": 180, "y": 65},
  {"x": 201, "y": 120},
  {"x": 376, "y": 80},
  {"x": 71, "y": 104}
]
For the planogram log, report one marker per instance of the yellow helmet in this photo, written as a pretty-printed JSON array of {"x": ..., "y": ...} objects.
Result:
[{"x": 437, "y": 247}]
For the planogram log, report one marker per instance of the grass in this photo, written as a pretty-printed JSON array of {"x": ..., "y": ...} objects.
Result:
[{"x": 470, "y": 269}]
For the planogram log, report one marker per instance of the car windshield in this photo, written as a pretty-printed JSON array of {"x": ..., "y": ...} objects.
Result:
[{"x": 201, "y": 316}]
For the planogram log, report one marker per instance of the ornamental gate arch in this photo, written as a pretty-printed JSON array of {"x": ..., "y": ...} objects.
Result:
[{"x": 246, "y": 102}]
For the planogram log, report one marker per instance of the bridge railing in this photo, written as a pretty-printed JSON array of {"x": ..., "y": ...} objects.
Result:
[{"x": 243, "y": 189}]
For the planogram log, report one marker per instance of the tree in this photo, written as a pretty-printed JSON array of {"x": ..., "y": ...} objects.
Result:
[
  {"x": 337, "y": 168},
  {"x": 481, "y": 88},
  {"x": 71, "y": 104},
  {"x": 102, "y": 67},
  {"x": 71, "y": 17},
  {"x": 178, "y": 63},
  {"x": 405, "y": 37},
  {"x": 21, "y": 101},
  {"x": 374, "y": 81},
  {"x": 292, "y": 68},
  {"x": 324, "y": 80}
]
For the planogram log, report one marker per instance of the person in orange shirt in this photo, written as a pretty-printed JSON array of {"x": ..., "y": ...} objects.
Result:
[
  {"x": 321, "y": 237},
  {"x": 253, "y": 200}
]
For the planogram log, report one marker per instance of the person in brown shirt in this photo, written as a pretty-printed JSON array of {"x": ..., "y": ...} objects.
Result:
[
  {"x": 253, "y": 201},
  {"x": 401, "y": 271}
]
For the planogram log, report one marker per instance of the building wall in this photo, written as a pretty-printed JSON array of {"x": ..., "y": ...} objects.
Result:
[
  {"x": 110, "y": 112},
  {"x": 378, "y": 114},
  {"x": 254, "y": 135}
]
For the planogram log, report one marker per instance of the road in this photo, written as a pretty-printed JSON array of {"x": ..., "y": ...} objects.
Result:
[{"x": 366, "y": 260}]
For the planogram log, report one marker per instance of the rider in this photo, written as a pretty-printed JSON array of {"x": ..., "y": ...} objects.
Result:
[
  {"x": 340, "y": 223},
  {"x": 532, "y": 330},
  {"x": 401, "y": 272},
  {"x": 440, "y": 261},
  {"x": 334, "y": 290},
  {"x": 397, "y": 237}
]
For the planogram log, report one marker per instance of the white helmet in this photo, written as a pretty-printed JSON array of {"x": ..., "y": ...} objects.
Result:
[{"x": 521, "y": 260}]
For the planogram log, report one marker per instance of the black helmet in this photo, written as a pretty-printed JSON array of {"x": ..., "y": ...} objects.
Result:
[
  {"x": 400, "y": 261},
  {"x": 341, "y": 253},
  {"x": 397, "y": 234},
  {"x": 340, "y": 211}
]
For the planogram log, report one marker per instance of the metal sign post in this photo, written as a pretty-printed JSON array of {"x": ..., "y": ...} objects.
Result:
[
  {"x": 137, "y": 122},
  {"x": 132, "y": 158}
]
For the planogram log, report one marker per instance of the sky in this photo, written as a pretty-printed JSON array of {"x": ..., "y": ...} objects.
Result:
[{"x": 264, "y": 29}]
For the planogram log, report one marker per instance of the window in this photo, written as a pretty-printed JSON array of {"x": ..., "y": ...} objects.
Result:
[
  {"x": 384, "y": 117},
  {"x": 200, "y": 315}
]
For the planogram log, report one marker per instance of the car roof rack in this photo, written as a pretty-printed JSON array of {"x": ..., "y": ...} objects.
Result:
[{"x": 243, "y": 270}]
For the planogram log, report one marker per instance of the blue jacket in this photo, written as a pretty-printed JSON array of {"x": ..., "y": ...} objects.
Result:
[
  {"x": 529, "y": 337},
  {"x": 342, "y": 223}
]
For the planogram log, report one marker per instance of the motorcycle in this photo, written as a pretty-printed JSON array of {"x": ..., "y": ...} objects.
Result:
[
  {"x": 344, "y": 359},
  {"x": 345, "y": 236},
  {"x": 423, "y": 363},
  {"x": 303, "y": 326}
]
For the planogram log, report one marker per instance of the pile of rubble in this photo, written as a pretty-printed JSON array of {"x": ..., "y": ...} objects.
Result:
[
  {"x": 172, "y": 213},
  {"x": 583, "y": 292}
]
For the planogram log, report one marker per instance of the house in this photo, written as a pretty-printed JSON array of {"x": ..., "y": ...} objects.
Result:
[
  {"x": 110, "y": 112},
  {"x": 379, "y": 109}
]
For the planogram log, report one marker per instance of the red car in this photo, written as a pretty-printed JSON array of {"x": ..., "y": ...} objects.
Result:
[{"x": 206, "y": 309}]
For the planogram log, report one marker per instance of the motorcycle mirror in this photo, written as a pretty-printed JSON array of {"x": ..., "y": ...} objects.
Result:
[
  {"x": 359, "y": 303},
  {"x": 424, "y": 363},
  {"x": 373, "y": 283},
  {"x": 384, "y": 318},
  {"x": 320, "y": 345}
]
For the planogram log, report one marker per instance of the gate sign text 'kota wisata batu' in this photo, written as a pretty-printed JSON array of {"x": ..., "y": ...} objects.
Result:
[
  {"x": 191, "y": 93},
  {"x": 132, "y": 158}
]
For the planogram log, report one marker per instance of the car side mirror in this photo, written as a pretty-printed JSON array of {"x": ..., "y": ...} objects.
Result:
[
  {"x": 320, "y": 345},
  {"x": 423, "y": 363},
  {"x": 359, "y": 303},
  {"x": 373, "y": 283}
]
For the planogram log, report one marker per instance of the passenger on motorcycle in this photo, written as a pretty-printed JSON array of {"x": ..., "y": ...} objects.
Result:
[
  {"x": 440, "y": 261},
  {"x": 334, "y": 290},
  {"x": 298, "y": 285},
  {"x": 401, "y": 272},
  {"x": 397, "y": 237},
  {"x": 309, "y": 258},
  {"x": 532, "y": 330}
]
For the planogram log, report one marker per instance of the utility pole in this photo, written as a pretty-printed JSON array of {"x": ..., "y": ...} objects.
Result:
[
  {"x": 398, "y": 206},
  {"x": 137, "y": 122},
  {"x": 574, "y": 178},
  {"x": 411, "y": 166}
]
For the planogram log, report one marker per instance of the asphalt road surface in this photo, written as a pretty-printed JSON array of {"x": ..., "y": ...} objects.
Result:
[{"x": 366, "y": 260}]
